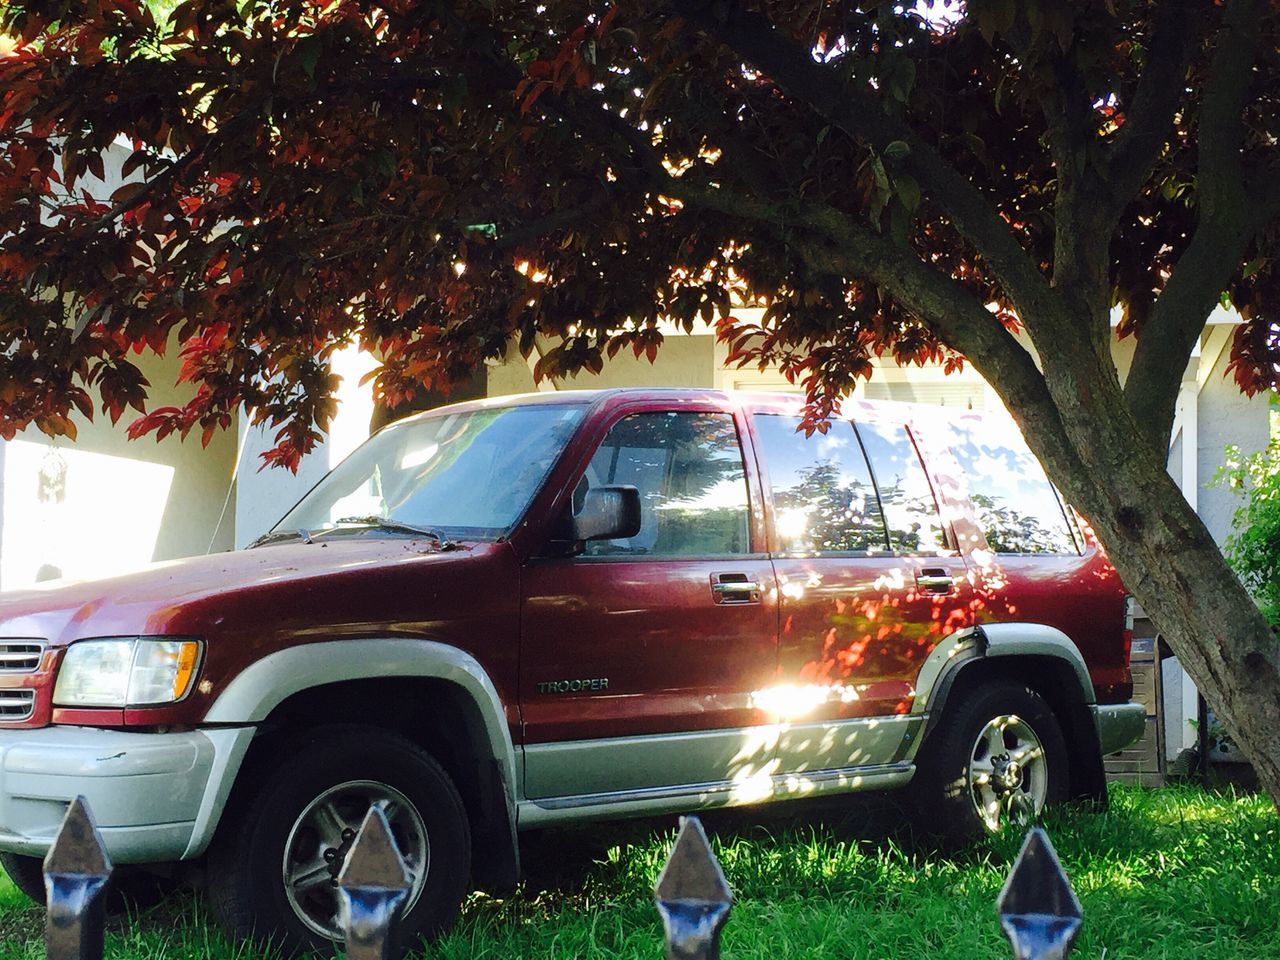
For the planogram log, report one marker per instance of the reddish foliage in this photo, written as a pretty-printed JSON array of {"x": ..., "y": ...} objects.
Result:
[{"x": 309, "y": 174}]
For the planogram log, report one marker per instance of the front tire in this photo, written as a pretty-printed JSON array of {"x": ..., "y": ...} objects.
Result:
[
  {"x": 274, "y": 864},
  {"x": 27, "y": 874},
  {"x": 997, "y": 757},
  {"x": 131, "y": 888}
]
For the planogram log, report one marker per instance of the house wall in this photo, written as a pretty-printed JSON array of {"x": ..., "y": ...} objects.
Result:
[
  {"x": 264, "y": 496},
  {"x": 683, "y": 361},
  {"x": 1226, "y": 416},
  {"x": 104, "y": 504}
]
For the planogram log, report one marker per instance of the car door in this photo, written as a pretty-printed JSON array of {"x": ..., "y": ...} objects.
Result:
[
  {"x": 868, "y": 583},
  {"x": 642, "y": 658}
]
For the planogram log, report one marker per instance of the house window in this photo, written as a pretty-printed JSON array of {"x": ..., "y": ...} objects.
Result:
[{"x": 958, "y": 394}]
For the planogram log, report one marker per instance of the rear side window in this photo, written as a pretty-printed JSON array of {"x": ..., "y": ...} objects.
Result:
[
  {"x": 910, "y": 510},
  {"x": 1017, "y": 508},
  {"x": 693, "y": 488},
  {"x": 823, "y": 497}
]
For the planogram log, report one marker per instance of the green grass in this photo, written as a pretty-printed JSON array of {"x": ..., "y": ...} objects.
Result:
[{"x": 1175, "y": 874}]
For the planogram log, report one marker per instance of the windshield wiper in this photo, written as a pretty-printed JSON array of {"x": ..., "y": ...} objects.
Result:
[
  {"x": 271, "y": 536},
  {"x": 385, "y": 523}
]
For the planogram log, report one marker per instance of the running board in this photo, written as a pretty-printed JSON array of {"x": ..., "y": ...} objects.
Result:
[{"x": 654, "y": 801}]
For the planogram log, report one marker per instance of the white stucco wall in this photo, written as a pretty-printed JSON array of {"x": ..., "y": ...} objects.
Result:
[
  {"x": 683, "y": 361},
  {"x": 264, "y": 496},
  {"x": 104, "y": 504},
  {"x": 1226, "y": 416}
]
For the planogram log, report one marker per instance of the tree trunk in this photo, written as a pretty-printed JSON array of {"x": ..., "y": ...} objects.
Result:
[
  {"x": 1172, "y": 565},
  {"x": 1168, "y": 560}
]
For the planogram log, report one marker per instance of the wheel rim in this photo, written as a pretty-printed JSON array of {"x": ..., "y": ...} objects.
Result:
[
  {"x": 322, "y": 836},
  {"x": 1008, "y": 773}
]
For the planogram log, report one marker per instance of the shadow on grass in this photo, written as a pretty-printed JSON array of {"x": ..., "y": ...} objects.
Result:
[
  {"x": 564, "y": 859},
  {"x": 1176, "y": 873}
]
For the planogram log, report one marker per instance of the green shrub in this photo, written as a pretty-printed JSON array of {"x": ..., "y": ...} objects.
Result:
[{"x": 1253, "y": 550}]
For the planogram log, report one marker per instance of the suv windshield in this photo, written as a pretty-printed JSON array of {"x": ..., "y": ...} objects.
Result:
[{"x": 461, "y": 475}]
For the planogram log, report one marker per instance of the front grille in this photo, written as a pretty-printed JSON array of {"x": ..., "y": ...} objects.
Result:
[
  {"x": 16, "y": 705},
  {"x": 20, "y": 656}
]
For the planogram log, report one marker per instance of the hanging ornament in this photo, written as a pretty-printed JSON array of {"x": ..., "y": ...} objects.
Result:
[{"x": 51, "y": 482}]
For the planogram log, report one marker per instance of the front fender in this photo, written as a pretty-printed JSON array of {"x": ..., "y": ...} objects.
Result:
[{"x": 260, "y": 688}]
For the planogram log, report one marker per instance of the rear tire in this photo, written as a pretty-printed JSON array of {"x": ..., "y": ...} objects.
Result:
[
  {"x": 997, "y": 756},
  {"x": 265, "y": 869}
]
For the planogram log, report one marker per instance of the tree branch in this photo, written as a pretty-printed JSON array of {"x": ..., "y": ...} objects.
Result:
[
  {"x": 149, "y": 188},
  {"x": 1226, "y": 227},
  {"x": 533, "y": 229},
  {"x": 832, "y": 243},
  {"x": 1082, "y": 225},
  {"x": 759, "y": 43},
  {"x": 1148, "y": 119}
]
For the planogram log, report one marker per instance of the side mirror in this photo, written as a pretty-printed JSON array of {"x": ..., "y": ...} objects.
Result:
[{"x": 608, "y": 513}]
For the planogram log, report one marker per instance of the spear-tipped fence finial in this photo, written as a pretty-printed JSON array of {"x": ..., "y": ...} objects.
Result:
[
  {"x": 76, "y": 871},
  {"x": 1038, "y": 909},
  {"x": 373, "y": 888},
  {"x": 693, "y": 896}
]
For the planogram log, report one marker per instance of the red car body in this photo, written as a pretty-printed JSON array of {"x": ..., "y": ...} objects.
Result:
[{"x": 553, "y": 683}]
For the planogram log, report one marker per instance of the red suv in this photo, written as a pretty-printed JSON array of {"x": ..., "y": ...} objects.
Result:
[{"x": 544, "y": 609}]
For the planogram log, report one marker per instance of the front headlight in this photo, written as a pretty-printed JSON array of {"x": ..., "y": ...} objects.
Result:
[{"x": 126, "y": 672}]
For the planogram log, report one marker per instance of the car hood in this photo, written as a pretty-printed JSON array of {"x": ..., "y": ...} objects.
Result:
[{"x": 268, "y": 586}]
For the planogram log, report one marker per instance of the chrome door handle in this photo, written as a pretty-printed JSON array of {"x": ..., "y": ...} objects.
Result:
[
  {"x": 734, "y": 588},
  {"x": 935, "y": 581}
]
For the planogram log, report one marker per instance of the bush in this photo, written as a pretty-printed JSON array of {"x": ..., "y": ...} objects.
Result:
[{"x": 1253, "y": 550}]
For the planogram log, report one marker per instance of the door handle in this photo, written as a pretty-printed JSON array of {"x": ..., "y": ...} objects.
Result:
[
  {"x": 734, "y": 588},
  {"x": 935, "y": 580}
]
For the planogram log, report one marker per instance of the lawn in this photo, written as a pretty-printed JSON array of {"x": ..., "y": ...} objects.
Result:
[{"x": 1174, "y": 874}]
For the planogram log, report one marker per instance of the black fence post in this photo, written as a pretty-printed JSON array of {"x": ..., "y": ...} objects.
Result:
[
  {"x": 372, "y": 890},
  {"x": 1038, "y": 909},
  {"x": 76, "y": 871},
  {"x": 692, "y": 896}
]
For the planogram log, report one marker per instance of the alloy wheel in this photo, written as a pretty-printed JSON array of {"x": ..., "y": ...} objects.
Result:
[
  {"x": 1008, "y": 773},
  {"x": 322, "y": 836}
]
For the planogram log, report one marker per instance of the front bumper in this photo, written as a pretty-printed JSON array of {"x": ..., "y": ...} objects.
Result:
[
  {"x": 1119, "y": 725},
  {"x": 156, "y": 797}
]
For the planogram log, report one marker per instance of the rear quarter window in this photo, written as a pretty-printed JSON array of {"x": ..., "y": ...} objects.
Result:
[
  {"x": 906, "y": 496},
  {"x": 1015, "y": 504}
]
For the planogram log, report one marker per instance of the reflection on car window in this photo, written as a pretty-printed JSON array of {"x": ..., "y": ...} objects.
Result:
[
  {"x": 909, "y": 507},
  {"x": 465, "y": 474},
  {"x": 1018, "y": 510},
  {"x": 823, "y": 497},
  {"x": 693, "y": 489}
]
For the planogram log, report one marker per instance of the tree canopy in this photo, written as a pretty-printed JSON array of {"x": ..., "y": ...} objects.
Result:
[{"x": 438, "y": 180}]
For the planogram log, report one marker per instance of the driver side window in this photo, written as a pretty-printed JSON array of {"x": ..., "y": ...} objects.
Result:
[{"x": 693, "y": 488}]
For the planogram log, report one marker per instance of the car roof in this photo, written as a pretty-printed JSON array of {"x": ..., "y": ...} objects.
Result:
[{"x": 763, "y": 401}]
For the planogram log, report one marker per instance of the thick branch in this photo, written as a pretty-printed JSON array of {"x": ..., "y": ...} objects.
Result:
[
  {"x": 1225, "y": 228},
  {"x": 832, "y": 243},
  {"x": 1082, "y": 225},
  {"x": 1149, "y": 118},
  {"x": 759, "y": 43}
]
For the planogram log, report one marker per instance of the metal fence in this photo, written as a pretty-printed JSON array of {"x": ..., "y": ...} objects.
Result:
[{"x": 1038, "y": 909}]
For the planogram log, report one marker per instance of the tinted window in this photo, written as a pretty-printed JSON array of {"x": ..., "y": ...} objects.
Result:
[
  {"x": 823, "y": 497},
  {"x": 693, "y": 490},
  {"x": 1017, "y": 508},
  {"x": 909, "y": 507}
]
